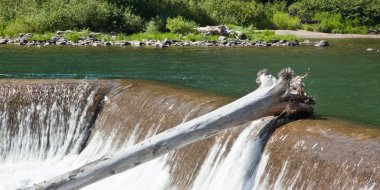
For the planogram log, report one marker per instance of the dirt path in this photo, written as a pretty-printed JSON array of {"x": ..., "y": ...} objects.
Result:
[{"x": 320, "y": 35}]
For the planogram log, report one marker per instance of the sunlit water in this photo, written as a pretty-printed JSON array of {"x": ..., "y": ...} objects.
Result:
[{"x": 344, "y": 78}]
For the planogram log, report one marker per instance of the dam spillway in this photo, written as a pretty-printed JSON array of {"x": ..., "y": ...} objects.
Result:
[{"x": 49, "y": 127}]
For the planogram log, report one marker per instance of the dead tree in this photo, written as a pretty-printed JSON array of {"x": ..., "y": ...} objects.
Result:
[{"x": 274, "y": 96}]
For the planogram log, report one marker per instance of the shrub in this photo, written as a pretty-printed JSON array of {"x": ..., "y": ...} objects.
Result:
[
  {"x": 282, "y": 20},
  {"x": 236, "y": 12},
  {"x": 18, "y": 26},
  {"x": 335, "y": 23},
  {"x": 41, "y": 37},
  {"x": 329, "y": 22},
  {"x": 131, "y": 23},
  {"x": 154, "y": 26},
  {"x": 76, "y": 36},
  {"x": 366, "y": 11},
  {"x": 180, "y": 25}
]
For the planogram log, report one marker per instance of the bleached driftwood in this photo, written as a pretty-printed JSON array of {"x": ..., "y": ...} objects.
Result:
[
  {"x": 214, "y": 30},
  {"x": 274, "y": 96}
]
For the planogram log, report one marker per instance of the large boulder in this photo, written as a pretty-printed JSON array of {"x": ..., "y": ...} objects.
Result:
[
  {"x": 322, "y": 43},
  {"x": 3, "y": 41}
]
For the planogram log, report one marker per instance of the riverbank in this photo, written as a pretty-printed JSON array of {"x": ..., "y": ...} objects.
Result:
[
  {"x": 320, "y": 35},
  {"x": 159, "y": 40}
]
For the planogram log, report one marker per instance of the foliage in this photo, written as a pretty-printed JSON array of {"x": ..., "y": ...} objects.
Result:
[
  {"x": 157, "y": 36},
  {"x": 365, "y": 11},
  {"x": 334, "y": 23},
  {"x": 75, "y": 36},
  {"x": 267, "y": 36},
  {"x": 236, "y": 12},
  {"x": 155, "y": 26},
  {"x": 180, "y": 25},
  {"x": 200, "y": 37},
  {"x": 150, "y": 16},
  {"x": 282, "y": 20},
  {"x": 41, "y": 37}
]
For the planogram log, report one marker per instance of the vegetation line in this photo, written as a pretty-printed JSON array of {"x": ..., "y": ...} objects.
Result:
[{"x": 158, "y": 17}]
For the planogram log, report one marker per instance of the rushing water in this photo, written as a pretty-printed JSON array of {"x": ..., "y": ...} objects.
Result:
[
  {"x": 50, "y": 127},
  {"x": 344, "y": 78}
]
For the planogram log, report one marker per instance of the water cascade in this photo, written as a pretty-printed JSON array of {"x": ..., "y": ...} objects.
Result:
[{"x": 49, "y": 127}]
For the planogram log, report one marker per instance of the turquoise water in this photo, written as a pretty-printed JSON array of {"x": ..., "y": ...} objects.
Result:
[{"x": 344, "y": 78}]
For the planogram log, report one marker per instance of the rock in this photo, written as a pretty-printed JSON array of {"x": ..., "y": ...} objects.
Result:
[
  {"x": 136, "y": 43},
  {"x": 167, "y": 42},
  {"x": 30, "y": 43},
  {"x": 209, "y": 44},
  {"x": 292, "y": 43},
  {"x": 275, "y": 41},
  {"x": 70, "y": 43},
  {"x": 55, "y": 38},
  {"x": 46, "y": 44},
  {"x": 370, "y": 49},
  {"x": 224, "y": 42},
  {"x": 240, "y": 35},
  {"x": 185, "y": 43},
  {"x": 306, "y": 42},
  {"x": 222, "y": 38},
  {"x": 233, "y": 42},
  {"x": 150, "y": 42},
  {"x": 121, "y": 43},
  {"x": 322, "y": 43},
  {"x": 3, "y": 41},
  {"x": 61, "y": 42},
  {"x": 28, "y": 35}
]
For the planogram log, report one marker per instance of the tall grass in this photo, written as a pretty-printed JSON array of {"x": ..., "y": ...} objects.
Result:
[
  {"x": 282, "y": 20},
  {"x": 335, "y": 23},
  {"x": 181, "y": 25}
]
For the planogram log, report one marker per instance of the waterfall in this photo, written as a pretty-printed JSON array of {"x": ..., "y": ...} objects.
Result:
[{"x": 51, "y": 127}]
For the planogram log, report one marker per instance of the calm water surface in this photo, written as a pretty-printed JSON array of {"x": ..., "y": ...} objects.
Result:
[{"x": 344, "y": 78}]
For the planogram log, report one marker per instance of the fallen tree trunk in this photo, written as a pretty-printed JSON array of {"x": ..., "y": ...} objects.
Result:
[
  {"x": 214, "y": 30},
  {"x": 285, "y": 95}
]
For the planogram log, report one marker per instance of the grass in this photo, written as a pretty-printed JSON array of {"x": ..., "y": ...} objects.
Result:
[
  {"x": 270, "y": 35},
  {"x": 250, "y": 32},
  {"x": 335, "y": 23},
  {"x": 170, "y": 36},
  {"x": 75, "y": 36},
  {"x": 282, "y": 20},
  {"x": 41, "y": 37}
]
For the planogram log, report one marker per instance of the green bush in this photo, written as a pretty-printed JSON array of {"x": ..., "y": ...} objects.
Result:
[
  {"x": 131, "y": 23},
  {"x": 75, "y": 36},
  {"x": 236, "y": 12},
  {"x": 180, "y": 25},
  {"x": 270, "y": 35},
  {"x": 329, "y": 22},
  {"x": 18, "y": 26},
  {"x": 366, "y": 11},
  {"x": 41, "y": 37},
  {"x": 334, "y": 23},
  {"x": 282, "y": 20},
  {"x": 155, "y": 26}
]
